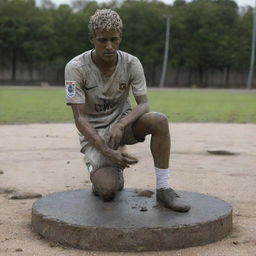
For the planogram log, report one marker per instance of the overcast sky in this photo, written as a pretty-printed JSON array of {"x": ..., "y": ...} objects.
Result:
[{"x": 239, "y": 2}]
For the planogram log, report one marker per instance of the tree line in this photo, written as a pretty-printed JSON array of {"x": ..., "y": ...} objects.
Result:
[{"x": 204, "y": 35}]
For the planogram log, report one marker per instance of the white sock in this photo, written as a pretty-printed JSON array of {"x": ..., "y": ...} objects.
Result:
[{"x": 162, "y": 178}]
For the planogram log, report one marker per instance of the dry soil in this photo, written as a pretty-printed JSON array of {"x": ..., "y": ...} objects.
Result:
[{"x": 45, "y": 158}]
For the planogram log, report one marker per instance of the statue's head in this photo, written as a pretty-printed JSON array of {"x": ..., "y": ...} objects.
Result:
[{"x": 105, "y": 19}]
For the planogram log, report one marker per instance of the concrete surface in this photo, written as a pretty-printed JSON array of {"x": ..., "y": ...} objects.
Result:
[{"x": 129, "y": 223}]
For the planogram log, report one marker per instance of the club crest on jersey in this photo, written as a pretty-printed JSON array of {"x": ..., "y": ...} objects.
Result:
[
  {"x": 122, "y": 86},
  {"x": 70, "y": 88}
]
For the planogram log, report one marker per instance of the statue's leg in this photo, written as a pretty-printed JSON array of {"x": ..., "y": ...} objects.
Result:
[
  {"x": 157, "y": 125},
  {"x": 106, "y": 179}
]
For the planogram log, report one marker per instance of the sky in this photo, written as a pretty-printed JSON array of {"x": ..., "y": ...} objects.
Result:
[{"x": 239, "y": 2}]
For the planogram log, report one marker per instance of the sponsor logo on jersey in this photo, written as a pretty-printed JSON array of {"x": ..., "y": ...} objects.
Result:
[
  {"x": 70, "y": 88},
  {"x": 107, "y": 104},
  {"x": 122, "y": 86}
]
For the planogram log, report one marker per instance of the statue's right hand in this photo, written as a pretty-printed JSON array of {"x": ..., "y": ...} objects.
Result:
[{"x": 121, "y": 160}]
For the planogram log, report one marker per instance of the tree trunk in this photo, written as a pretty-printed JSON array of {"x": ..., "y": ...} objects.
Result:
[
  {"x": 31, "y": 72},
  {"x": 14, "y": 60},
  {"x": 190, "y": 77},
  {"x": 177, "y": 74},
  {"x": 201, "y": 75},
  {"x": 227, "y": 73},
  {"x": 154, "y": 75}
]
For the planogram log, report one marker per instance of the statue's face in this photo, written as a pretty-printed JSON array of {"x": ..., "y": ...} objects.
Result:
[{"x": 106, "y": 43}]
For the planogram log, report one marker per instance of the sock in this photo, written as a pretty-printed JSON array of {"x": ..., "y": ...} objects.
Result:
[{"x": 162, "y": 178}]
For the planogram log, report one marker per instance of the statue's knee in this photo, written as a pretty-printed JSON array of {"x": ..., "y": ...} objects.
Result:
[
  {"x": 160, "y": 121},
  {"x": 108, "y": 195},
  {"x": 105, "y": 182},
  {"x": 161, "y": 118}
]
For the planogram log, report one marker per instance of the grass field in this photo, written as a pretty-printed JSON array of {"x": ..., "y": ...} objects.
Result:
[{"x": 45, "y": 105}]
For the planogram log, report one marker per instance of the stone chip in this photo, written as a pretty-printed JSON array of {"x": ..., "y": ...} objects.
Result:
[
  {"x": 146, "y": 193},
  {"x": 24, "y": 195},
  {"x": 222, "y": 152}
]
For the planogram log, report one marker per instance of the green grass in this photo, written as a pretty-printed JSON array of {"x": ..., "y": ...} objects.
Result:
[
  {"x": 205, "y": 106},
  {"x": 45, "y": 105},
  {"x": 33, "y": 105}
]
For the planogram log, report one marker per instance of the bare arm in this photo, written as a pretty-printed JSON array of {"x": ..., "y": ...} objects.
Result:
[
  {"x": 86, "y": 128},
  {"x": 94, "y": 139},
  {"x": 141, "y": 108}
]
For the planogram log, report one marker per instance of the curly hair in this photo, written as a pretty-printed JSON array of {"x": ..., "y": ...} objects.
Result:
[{"x": 105, "y": 19}]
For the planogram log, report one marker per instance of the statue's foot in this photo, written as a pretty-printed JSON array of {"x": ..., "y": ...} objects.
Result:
[{"x": 170, "y": 199}]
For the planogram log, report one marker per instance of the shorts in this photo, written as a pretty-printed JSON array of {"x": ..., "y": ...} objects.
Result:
[{"x": 94, "y": 159}]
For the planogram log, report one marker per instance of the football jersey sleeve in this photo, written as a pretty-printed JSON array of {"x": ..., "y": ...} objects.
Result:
[
  {"x": 73, "y": 85},
  {"x": 138, "y": 81}
]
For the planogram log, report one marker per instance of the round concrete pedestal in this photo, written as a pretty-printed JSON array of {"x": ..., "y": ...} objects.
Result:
[{"x": 129, "y": 223}]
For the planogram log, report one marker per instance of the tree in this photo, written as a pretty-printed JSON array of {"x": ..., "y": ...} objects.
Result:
[
  {"x": 243, "y": 38},
  {"x": 14, "y": 15},
  {"x": 144, "y": 33},
  {"x": 204, "y": 35},
  {"x": 27, "y": 34}
]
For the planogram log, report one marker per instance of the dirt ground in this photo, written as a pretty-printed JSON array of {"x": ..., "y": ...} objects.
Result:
[{"x": 45, "y": 158}]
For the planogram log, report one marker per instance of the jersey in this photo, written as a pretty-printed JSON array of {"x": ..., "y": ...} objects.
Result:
[{"x": 106, "y": 99}]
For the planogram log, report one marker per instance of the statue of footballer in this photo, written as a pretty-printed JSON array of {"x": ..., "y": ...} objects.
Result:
[{"x": 97, "y": 84}]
